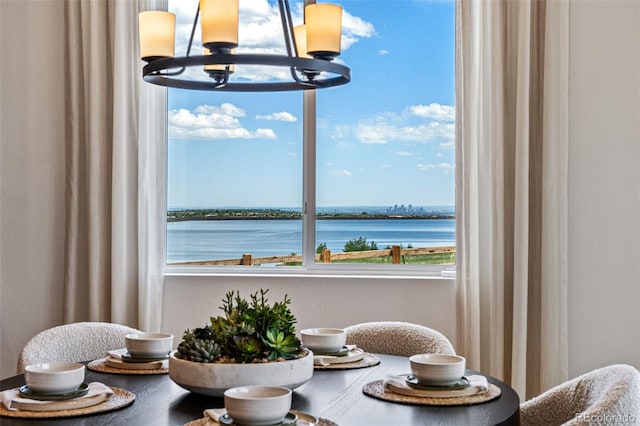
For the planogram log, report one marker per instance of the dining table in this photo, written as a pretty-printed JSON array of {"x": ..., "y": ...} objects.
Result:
[{"x": 336, "y": 395}]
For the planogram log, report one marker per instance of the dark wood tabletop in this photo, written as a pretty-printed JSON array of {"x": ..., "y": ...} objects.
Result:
[{"x": 331, "y": 394}]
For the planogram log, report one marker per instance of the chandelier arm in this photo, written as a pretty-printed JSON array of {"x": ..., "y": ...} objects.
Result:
[
  {"x": 193, "y": 31},
  {"x": 225, "y": 80},
  {"x": 243, "y": 87},
  {"x": 152, "y": 72},
  {"x": 287, "y": 30},
  {"x": 289, "y": 39}
]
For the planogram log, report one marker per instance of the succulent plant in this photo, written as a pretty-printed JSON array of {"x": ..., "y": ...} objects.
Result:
[
  {"x": 196, "y": 346},
  {"x": 281, "y": 345},
  {"x": 248, "y": 331}
]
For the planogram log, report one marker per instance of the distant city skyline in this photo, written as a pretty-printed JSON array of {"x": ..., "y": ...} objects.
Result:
[
  {"x": 325, "y": 209},
  {"x": 386, "y": 138}
]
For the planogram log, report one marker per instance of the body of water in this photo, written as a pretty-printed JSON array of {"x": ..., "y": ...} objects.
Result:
[{"x": 229, "y": 239}]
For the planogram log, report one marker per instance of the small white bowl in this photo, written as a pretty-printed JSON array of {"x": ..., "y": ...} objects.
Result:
[
  {"x": 257, "y": 405},
  {"x": 324, "y": 339},
  {"x": 149, "y": 345},
  {"x": 437, "y": 369},
  {"x": 54, "y": 377}
]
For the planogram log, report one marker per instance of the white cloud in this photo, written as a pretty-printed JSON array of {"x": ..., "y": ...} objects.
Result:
[
  {"x": 225, "y": 108},
  {"x": 338, "y": 131},
  {"x": 434, "y": 111},
  {"x": 213, "y": 122},
  {"x": 265, "y": 134},
  {"x": 382, "y": 133},
  {"x": 278, "y": 116},
  {"x": 186, "y": 119},
  {"x": 445, "y": 167},
  {"x": 416, "y": 123},
  {"x": 403, "y": 154},
  {"x": 383, "y": 52},
  {"x": 341, "y": 172},
  {"x": 353, "y": 29}
]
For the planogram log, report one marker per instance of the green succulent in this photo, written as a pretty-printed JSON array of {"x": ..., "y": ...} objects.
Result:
[
  {"x": 198, "y": 349},
  {"x": 281, "y": 345},
  {"x": 248, "y": 331},
  {"x": 247, "y": 347}
]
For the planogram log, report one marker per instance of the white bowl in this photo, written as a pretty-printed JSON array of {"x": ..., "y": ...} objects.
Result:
[
  {"x": 214, "y": 378},
  {"x": 324, "y": 339},
  {"x": 437, "y": 369},
  {"x": 257, "y": 405},
  {"x": 149, "y": 345},
  {"x": 54, "y": 377}
]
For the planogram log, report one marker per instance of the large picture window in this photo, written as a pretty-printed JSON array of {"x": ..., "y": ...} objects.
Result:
[{"x": 372, "y": 186}]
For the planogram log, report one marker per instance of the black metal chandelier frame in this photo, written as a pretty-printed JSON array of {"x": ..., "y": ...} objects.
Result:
[{"x": 306, "y": 73}]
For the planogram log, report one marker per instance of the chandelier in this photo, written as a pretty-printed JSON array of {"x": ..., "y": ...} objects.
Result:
[{"x": 310, "y": 50}]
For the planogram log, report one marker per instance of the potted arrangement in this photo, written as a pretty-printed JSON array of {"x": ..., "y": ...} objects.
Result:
[{"x": 252, "y": 343}]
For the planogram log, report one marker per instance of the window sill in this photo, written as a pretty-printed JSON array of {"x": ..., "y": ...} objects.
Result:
[{"x": 335, "y": 271}]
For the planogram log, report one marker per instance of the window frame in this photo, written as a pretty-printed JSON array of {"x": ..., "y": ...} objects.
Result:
[{"x": 309, "y": 267}]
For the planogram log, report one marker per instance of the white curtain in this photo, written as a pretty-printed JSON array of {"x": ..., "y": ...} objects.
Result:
[
  {"x": 152, "y": 155},
  {"x": 511, "y": 189},
  {"x": 115, "y": 168}
]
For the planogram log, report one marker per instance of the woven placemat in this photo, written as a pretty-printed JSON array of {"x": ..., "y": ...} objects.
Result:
[
  {"x": 120, "y": 399},
  {"x": 376, "y": 389},
  {"x": 100, "y": 365},
  {"x": 369, "y": 360},
  {"x": 321, "y": 421}
]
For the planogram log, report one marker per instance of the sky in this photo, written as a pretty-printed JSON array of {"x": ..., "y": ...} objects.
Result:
[{"x": 385, "y": 138}]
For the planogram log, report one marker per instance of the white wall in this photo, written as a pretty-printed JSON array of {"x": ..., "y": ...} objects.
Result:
[
  {"x": 604, "y": 239},
  {"x": 604, "y": 226},
  {"x": 31, "y": 172},
  {"x": 317, "y": 302}
]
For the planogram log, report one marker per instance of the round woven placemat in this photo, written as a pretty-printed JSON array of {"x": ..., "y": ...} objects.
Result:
[
  {"x": 120, "y": 399},
  {"x": 376, "y": 389},
  {"x": 321, "y": 421},
  {"x": 369, "y": 360},
  {"x": 100, "y": 365}
]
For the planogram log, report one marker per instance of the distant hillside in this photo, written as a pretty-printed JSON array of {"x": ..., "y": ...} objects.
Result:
[{"x": 281, "y": 214}]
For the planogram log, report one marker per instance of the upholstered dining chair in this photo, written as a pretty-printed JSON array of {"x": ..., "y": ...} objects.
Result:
[
  {"x": 80, "y": 341},
  {"x": 398, "y": 338},
  {"x": 605, "y": 396}
]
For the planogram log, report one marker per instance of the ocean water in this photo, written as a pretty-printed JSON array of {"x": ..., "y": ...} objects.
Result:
[{"x": 229, "y": 239}]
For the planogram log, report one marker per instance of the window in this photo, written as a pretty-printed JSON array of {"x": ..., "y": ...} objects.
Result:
[{"x": 379, "y": 176}]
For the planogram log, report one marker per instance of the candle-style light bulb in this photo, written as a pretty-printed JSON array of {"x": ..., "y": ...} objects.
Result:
[
  {"x": 324, "y": 30},
  {"x": 219, "y": 22},
  {"x": 300, "y": 38},
  {"x": 156, "y": 30}
]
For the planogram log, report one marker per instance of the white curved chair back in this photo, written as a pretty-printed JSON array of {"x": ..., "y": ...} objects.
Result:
[
  {"x": 398, "y": 338},
  {"x": 608, "y": 395},
  {"x": 80, "y": 341}
]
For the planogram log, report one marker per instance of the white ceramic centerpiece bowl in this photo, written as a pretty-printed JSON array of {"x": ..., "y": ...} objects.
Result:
[
  {"x": 324, "y": 340},
  {"x": 257, "y": 405},
  {"x": 149, "y": 345},
  {"x": 437, "y": 369},
  {"x": 54, "y": 377},
  {"x": 214, "y": 378}
]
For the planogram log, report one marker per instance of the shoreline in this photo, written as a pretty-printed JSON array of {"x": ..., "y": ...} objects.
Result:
[{"x": 318, "y": 217}]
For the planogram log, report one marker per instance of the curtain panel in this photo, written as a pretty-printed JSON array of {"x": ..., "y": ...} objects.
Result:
[
  {"x": 115, "y": 167},
  {"x": 511, "y": 189}
]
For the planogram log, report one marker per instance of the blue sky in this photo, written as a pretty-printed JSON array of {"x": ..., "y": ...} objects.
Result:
[{"x": 385, "y": 138}]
